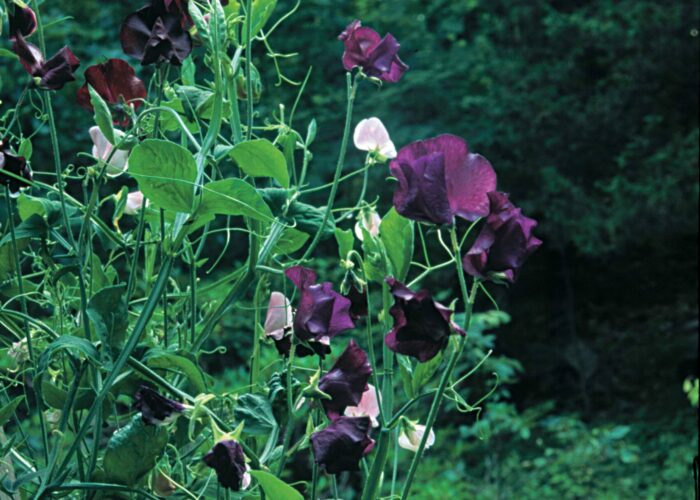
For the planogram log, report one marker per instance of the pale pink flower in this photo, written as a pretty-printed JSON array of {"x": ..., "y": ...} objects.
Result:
[
  {"x": 368, "y": 220},
  {"x": 279, "y": 316},
  {"x": 371, "y": 135},
  {"x": 102, "y": 150},
  {"x": 412, "y": 434},
  {"x": 134, "y": 202},
  {"x": 368, "y": 406}
]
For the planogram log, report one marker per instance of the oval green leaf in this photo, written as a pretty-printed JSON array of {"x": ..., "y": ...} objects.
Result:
[
  {"x": 260, "y": 158},
  {"x": 233, "y": 197},
  {"x": 275, "y": 488}
]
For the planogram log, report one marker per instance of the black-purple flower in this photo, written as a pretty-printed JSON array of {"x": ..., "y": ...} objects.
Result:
[
  {"x": 155, "y": 34},
  {"x": 340, "y": 446},
  {"x": 16, "y": 165},
  {"x": 51, "y": 74},
  {"x": 228, "y": 460},
  {"x": 504, "y": 243},
  {"x": 346, "y": 381},
  {"x": 422, "y": 326},
  {"x": 378, "y": 57},
  {"x": 22, "y": 21},
  {"x": 440, "y": 179},
  {"x": 358, "y": 302},
  {"x": 116, "y": 82},
  {"x": 322, "y": 312},
  {"x": 156, "y": 409}
]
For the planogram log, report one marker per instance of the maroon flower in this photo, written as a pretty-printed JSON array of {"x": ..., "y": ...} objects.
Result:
[
  {"x": 377, "y": 56},
  {"x": 422, "y": 326},
  {"x": 116, "y": 82},
  {"x": 156, "y": 409},
  {"x": 50, "y": 74},
  {"x": 16, "y": 165},
  {"x": 340, "y": 446},
  {"x": 228, "y": 460},
  {"x": 346, "y": 381},
  {"x": 440, "y": 179},
  {"x": 504, "y": 243},
  {"x": 358, "y": 302},
  {"x": 155, "y": 34},
  {"x": 22, "y": 21},
  {"x": 322, "y": 313}
]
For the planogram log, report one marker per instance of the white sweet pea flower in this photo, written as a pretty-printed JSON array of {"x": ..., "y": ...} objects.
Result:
[
  {"x": 102, "y": 150},
  {"x": 412, "y": 434},
  {"x": 134, "y": 201},
  {"x": 368, "y": 220},
  {"x": 367, "y": 407},
  {"x": 371, "y": 135},
  {"x": 279, "y": 316}
]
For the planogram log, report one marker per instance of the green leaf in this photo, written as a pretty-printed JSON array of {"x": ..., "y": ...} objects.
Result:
[
  {"x": 424, "y": 372},
  {"x": 48, "y": 209},
  {"x": 8, "y": 53},
  {"x": 396, "y": 232},
  {"x": 158, "y": 358},
  {"x": 260, "y": 158},
  {"x": 25, "y": 148},
  {"x": 133, "y": 450},
  {"x": 55, "y": 397},
  {"x": 233, "y": 197},
  {"x": 262, "y": 10},
  {"x": 291, "y": 241},
  {"x": 103, "y": 116},
  {"x": 275, "y": 488},
  {"x": 345, "y": 241},
  {"x": 108, "y": 312},
  {"x": 256, "y": 412},
  {"x": 166, "y": 173},
  {"x": 67, "y": 343},
  {"x": 406, "y": 372},
  {"x": 9, "y": 409}
]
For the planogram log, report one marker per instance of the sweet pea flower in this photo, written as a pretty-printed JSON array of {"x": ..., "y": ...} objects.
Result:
[
  {"x": 422, "y": 326},
  {"x": 322, "y": 312},
  {"x": 228, "y": 461},
  {"x": 134, "y": 202},
  {"x": 368, "y": 220},
  {"x": 504, "y": 243},
  {"x": 367, "y": 407},
  {"x": 346, "y": 381},
  {"x": 51, "y": 74},
  {"x": 279, "y": 316},
  {"x": 16, "y": 165},
  {"x": 358, "y": 302},
  {"x": 371, "y": 136},
  {"x": 440, "y": 179},
  {"x": 411, "y": 435},
  {"x": 377, "y": 56},
  {"x": 156, "y": 409},
  {"x": 22, "y": 21},
  {"x": 102, "y": 150},
  {"x": 155, "y": 34},
  {"x": 340, "y": 446},
  {"x": 116, "y": 82}
]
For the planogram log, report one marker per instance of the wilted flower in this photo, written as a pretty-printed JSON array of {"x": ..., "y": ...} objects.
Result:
[
  {"x": 378, "y": 57},
  {"x": 228, "y": 460},
  {"x": 340, "y": 446},
  {"x": 117, "y": 160},
  {"x": 134, "y": 202},
  {"x": 22, "y": 21},
  {"x": 346, "y": 381},
  {"x": 368, "y": 220},
  {"x": 411, "y": 435},
  {"x": 16, "y": 165},
  {"x": 367, "y": 407},
  {"x": 422, "y": 326},
  {"x": 371, "y": 135},
  {"x": 504, "y": 243},
  {"x": 116, "y": 82},
  {"x": 440, "y": 179},
  {"x": 156, "y": 409},
  {"x": 155, "y": 34},
  {"x": 322, "y": 312},
  {"x": 51, "y": 74}
]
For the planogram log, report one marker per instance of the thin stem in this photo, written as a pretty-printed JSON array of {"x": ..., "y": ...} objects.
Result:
[{"x": 248, "y": 68}]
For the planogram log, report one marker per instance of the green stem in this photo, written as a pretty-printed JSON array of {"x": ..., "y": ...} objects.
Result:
[
  {"x": 371, "y": 488},
  {"x": 468, "y": 298},
  {"x": 248, "y": 68}
]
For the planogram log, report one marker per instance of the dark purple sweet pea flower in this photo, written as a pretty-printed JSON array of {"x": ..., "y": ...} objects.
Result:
[
  {"x": 340, "y": 446},
  {"x": 22, "y": 21},
  {"x": 377, "y": 56},
  {"x": 322, "y": 313},
  {"x": 50, "y": 74},
  {"x": 156, "y": 409},
  {"x": 116, "y": 82},
  {"x": 155, "y": 34},
  {"x": 440, "y": 179},
  {"x": 358, "y": 302},
  {"x": 16, "y": 165},
  {"x": 346, "y": 381},
  {"x": 228, "y": 460},
  {"x": 422, "y": 326},
  {"x": 504, "y": 243}
]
